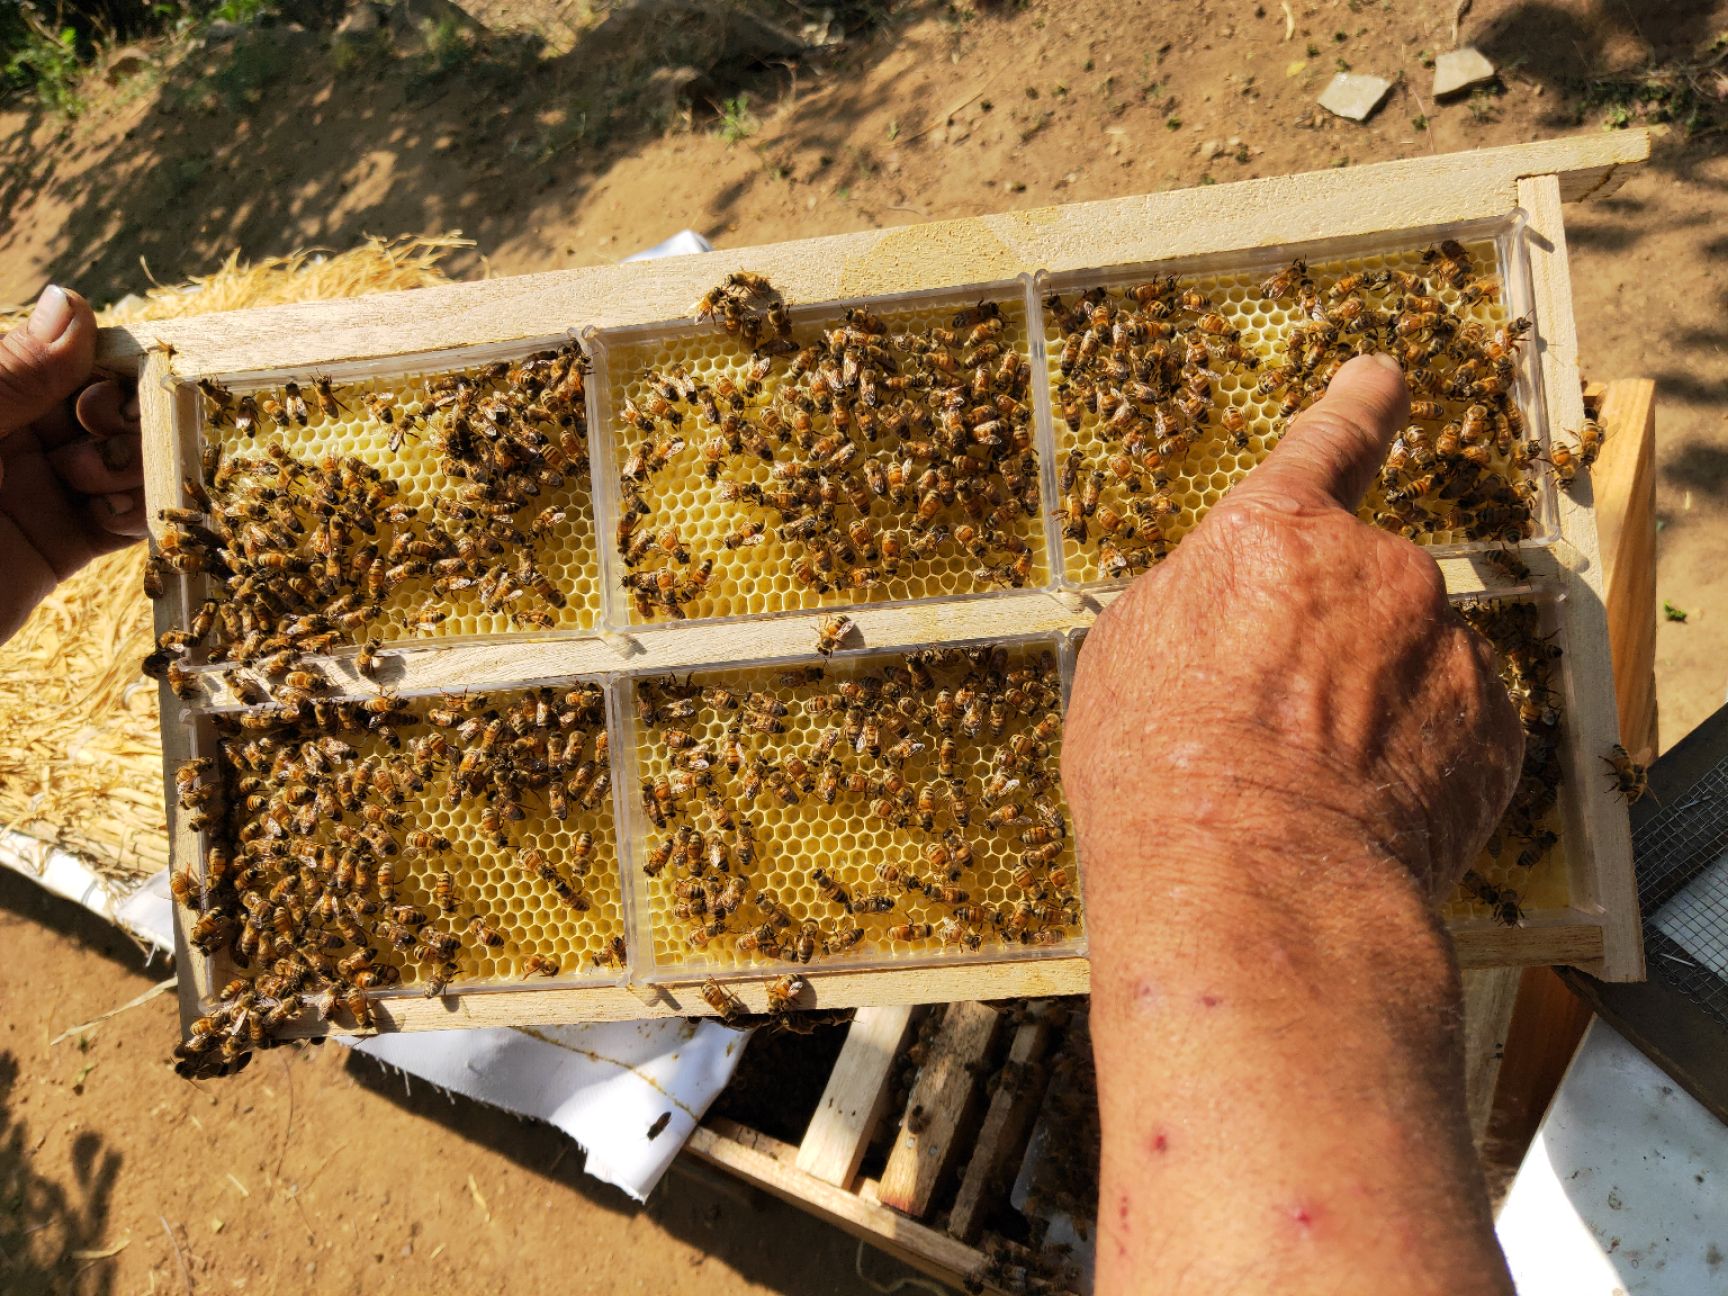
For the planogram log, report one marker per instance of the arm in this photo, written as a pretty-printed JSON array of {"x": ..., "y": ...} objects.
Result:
[{"x": 1282, "y": 750}]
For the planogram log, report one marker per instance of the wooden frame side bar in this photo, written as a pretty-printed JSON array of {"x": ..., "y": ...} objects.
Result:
[{"x": 1592, "y": 714}]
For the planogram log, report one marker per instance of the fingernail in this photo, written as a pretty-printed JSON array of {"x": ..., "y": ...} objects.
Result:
[
  {"x": 117, "y": 452},
  {"x": 52, "y": 314},
  {"x": 1386, "y": 362},
  {"x": 117, "y": 504}
]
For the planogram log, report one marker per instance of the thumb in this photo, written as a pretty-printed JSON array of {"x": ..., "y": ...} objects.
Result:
[
  {"x": 1329, "y": 456},
  {"x": 44, "y": 361}
]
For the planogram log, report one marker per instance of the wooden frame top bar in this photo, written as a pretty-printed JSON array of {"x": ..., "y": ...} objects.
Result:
[{"x": 1336, "y": 203}]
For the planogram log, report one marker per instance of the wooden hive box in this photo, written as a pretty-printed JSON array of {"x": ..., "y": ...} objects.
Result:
[{"x": 1505, "y": 204}]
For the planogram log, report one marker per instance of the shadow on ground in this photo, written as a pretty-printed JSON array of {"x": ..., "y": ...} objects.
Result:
[
  {"x": 43, "y": 1223},
  {"x": 278, "y": 137}
]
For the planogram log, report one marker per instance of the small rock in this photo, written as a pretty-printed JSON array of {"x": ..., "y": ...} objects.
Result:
[
  {"x": 1460, "y": 69},
  {"x": 220, "y": 30},
  {"x": 1211, "y": 149},
  {"x": 1354, "y": 95}
]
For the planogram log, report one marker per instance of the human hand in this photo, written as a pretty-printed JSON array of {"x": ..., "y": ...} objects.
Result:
[
  {"x": 1281, "y": 750},
  {"x": 1292, "y": 679},
  {"x": 71, "y": 466}
]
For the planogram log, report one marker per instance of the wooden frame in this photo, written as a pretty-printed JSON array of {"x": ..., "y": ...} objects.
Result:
[{"x": 1599, "y": 931}]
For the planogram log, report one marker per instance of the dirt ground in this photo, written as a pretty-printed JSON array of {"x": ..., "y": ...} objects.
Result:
[{"x": 279, "y": 139}]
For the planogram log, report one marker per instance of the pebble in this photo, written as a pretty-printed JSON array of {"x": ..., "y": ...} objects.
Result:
[
  {"x": 1354, "y": 95},
  {"x": 1460, "y": 69}
]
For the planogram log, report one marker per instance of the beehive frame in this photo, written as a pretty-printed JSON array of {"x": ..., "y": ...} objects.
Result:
[{"x": 1598, "y": 930}]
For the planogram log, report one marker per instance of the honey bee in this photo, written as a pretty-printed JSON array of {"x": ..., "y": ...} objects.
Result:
[
  {"x": 325, "y": 393},
  {"x": 1286, "y": 282},
  {"x": 539, "y": 965},
  {"x": 1630, "y": 779},
  {"x": 293, "y": 405},
  {"x": 1449, "y": 262},
  {"x": 725, "y": 1004},
  {"x": 1502, "y": 900},
  {"x": 184, "y": 683},
  {"x": 485, "y": 933},
  {"x": 784, "y": 992},
  {"x": 843, "y": 940},
  {"x": 245, "y": 417},
  {"x": 366, "y": 659},
  {"x": 831, "y": 631}
]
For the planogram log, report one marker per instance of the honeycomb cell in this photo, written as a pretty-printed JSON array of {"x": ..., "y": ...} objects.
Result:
[
  {"x": 1138, "y": 505},
  {"x": 514, "y": 533},
  {"x": 486, "y": 822},
  {"x": 863, "y": 809},
  {"x": 895, "y": 465}
]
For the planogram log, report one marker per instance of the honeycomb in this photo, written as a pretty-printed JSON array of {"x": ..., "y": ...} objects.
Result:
[
  {"x": 758, "y": 576},
  {"x": 487, "y": 858},
  {"x": 565, "y": 553},
  {"x": 871, "y": 842},
  {"x": 1218, "y": 459}
]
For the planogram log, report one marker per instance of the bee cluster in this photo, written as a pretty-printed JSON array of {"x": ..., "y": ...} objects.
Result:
[
  {"x": 1462, "y": 467},
  {"x": 1526, "y": 834},
  {"x": 1139, "y": 369},
  {"x": 364, "y": 845},
  {"x": 1166, "y": 392},
  {"x": 859, "y": 462},
  {"x": 302, "y": 555},
  {"x": 890, "y": 807}
]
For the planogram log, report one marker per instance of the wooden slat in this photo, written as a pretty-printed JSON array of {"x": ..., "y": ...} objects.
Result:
[
  {"x": 1001, "y": 1142},
  {"x": 1488, "y": 997},
  {"x": 1554, "y": 938},
  {"x": 1624, "y": 481},
  {"x": 424, "y": 666},
  {"x": 1403, "y": 195},
  {"x": 1608, "y": 885},
  {"x": 770, "y": 1165},
  {"x": 157, "y": 415},
  {"x": 939, "y": 1108},
  {"x": 856, "y": 1097},
  {"x": 1530, "y": 946}
]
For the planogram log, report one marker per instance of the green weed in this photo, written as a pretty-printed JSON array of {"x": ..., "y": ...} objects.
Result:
[{"x": 737, "y": 122}]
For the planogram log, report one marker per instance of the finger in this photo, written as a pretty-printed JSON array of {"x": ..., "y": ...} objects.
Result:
[
  {"x": 118, "y": 518},
  {"x": 103, "y": 467},
  {"x": 44, "y": 361},
  {"x": 1329, "y": 456},
  {"x": 108, "y": 408}
]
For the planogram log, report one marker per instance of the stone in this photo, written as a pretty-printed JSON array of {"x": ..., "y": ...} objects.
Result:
[
  {"x": 1460, "y": 69},
  {"x": 1354, "y": 95},
  {"x": 1211, "y": 149}
]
